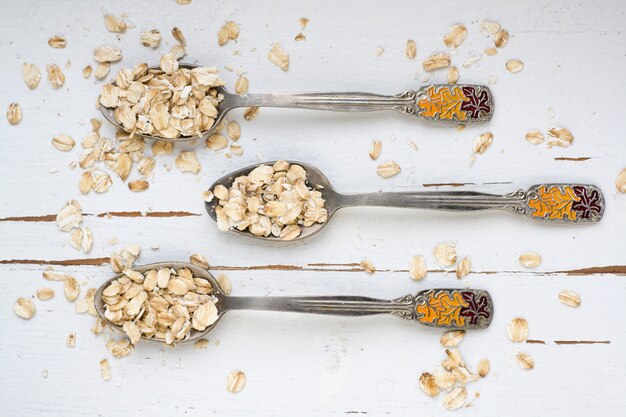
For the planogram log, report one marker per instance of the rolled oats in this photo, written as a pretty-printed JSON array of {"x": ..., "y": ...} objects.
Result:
[
  {"x": 24, "y": 308},
  {"x": 534, "y": 136},
  {"x": 501, "y": 38},
  {"x": 71, "y": 340},
  {"x": 242, "y": 84},
  {"x": 368, "y": 266},
  {"x": 102, "y": 70},
  {"x": 230, "y": 31},
  {"x": 115, "y": 24},
  {"x": 14, "y": 113},
  {"x": 235, "y": 381},
  {"x": 56, "y": 78},
  {"x": 216, "y": 142},
  {"x": 279, "y": 56},
  {"x": 530, "y": 259},
  {"x": 105, "y": 370},
  {"x": 453, "y": 75},
  {"x": 388, "y": 169},
  {"x": 428, "y": 385},
  {"x": 45, "y": 293},
  {"x": 101, "y": 182},
  {"x": 375, "y": 149},
  {"x": 138, "y": 185},
  {"x": 107, "y": 53},
  {"x": 452, "y": 338},
  {"x": 455, "y": 399},
  {"x": 69, "y": 217},
  {"x": 151, "y": 38},
  {"x": 525, "y": 361},
  {"x": 456, "y": 36},
  {"x": 270, "y": 200},
  {"x": 482, "y": 143},
  {"x": 178, "y": 35},
  {"x": 517, "y": 330},
  {"x": 199, "y": 260},
  {"x": 233, "y": 130},
  {"x": 187, "y": 162},
  {"x": 483, "y": 367},
  {"x": 411, "y": 49},
  {"x": 489, "y": 27},
  {"x": 417, "y": 267},
  {"x": 463, "y": 268},
  {"x": 57, "y": 42},
  {"x": 560, "y": 136},
  {"x": 514, "y": 65},
  {"x": 620, "y": 181},
  {"x": 570, "y": 298},
  {"x": 436, "y": 61},
  {"x": 63, "y": 142},
  {"x": 251, "y": 113},
  {"x": 71, "y": 288},
  {"x": 87, "y": 71},
  {"x": 31, "y": 75},
  {"x": 224, "y": 282},
  {"x": 490, "y": 51},
  {"x": 445, "y": 254}
]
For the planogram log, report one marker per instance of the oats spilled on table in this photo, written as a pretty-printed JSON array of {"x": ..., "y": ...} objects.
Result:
[
  {"x": 166, "y": 304},
  {"x": 271, "y": 200},
  {"x": 168, "y": 102}
]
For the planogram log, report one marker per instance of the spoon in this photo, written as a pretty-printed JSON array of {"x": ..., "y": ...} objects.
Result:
[
  {"x": 551, "y": 203},
  {"x": 442, "y": 308},
  {"x": 448, "y": 103}
]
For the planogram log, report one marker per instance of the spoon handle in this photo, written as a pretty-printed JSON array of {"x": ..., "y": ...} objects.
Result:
[
  {"x": 448, "y": 308},
  {"x": 561, "y": 203},
  {"x": 444, "y": 103}
]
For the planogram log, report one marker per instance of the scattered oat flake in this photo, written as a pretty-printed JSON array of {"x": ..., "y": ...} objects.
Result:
[
  {"x": 71, "y": 289},
  {"x": 525, "y": 361},
  {"x": 368, "y": 266},
  {"x": 456, "y": 36},
  {"x": 388, "y": 169},
  {"x": 482, "y": 142},
  {"x": 517, "y": 330},
  {"x": 178, "y": 35},
  {"x": 45, "y": 293},
  {"x": 530, "y": 259},
  {"x": 436, "y": 61},
  {"x": 107, "y": 53},
  {"x": 115, "y": 24},
  {"x": 233, "y": 130},
  {"x": 199, "y": 260},
  {"x": 24, "y": 308},
  {"x": 102, "y": 70},
  {"x": 251, "y": 113},
  {"x": 453, "y": 75},
  {"x": 101, "y": 182},
  {"x": 483, "y": 367},
  {"x": 216, "y": 142},
  {"x": 279, "y": 56},
  {"x": 417, "y": 267},
  {"x": 105, "y": 370},
  {"x": 471, "y": 61},
  {"x": 379, "y": 51},
  {"x": 560, "y": 136},
  {"x": 63, "y": 142},
  {"x": 445, "y": 254},
  {"x": 201, "y": 344},
  {"x": 501, "y": 38},
  {"x": 138, "y": 185},
  {"x": 411, "y": 49},
  {"x": 428, "y": 385},
  {"x": 187, "y": 162},
  {"x": 452, "y": 338},
  {"x": 534, "y": 136},
  {"x": 56, "y": 78},
  {"x": 241, "y": 85},
  {"x": 71, "y": 340},
  {"x": 489, "y": 27},
  {"x": 570, "y": 298},
  {"x": 31, "y": 75},
  {"x": 150, "y": 38},
  {"x": 87, "y": 71},
  {"x": 620, "y": 181},
  {"x": 235, "y": 381},
  {"x": 69, "y": 217},
  {"x": 455, "y": 399},
  {"x": 225, "y": 285},
  {"x": 14, "y": 113},
  {"x": 463, "y": 268},
  {"x": 299, "y": 37},
  {"x": 514, "y": 65},
  {"x": 490, "y": 51},
  {"x": 230, "y": 31},
  {"x": 375, "y": 149},
  {"x": 57, "y": 42}
]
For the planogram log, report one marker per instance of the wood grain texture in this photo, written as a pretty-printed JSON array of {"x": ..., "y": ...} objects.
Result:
[{"x": 321, "y": 366}]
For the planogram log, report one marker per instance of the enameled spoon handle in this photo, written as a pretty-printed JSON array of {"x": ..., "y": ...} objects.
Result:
[
  {"x": 448, "y": 308},
  {"x": 444, "y": 103},
  {"x": 564, "y": 203}
]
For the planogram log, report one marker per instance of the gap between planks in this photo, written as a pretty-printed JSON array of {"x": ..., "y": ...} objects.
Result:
[{"x": 326, "y": 267}]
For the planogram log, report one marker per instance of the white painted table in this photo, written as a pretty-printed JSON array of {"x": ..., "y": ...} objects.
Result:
[{"x": 575, "y": 64}]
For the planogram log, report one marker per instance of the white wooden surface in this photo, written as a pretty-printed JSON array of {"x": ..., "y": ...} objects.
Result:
[{"x": 574, "y": 56}]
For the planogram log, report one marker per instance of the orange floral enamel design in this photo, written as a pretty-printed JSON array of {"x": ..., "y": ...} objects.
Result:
[
  {"x": 443, "y": 102},
  {"x": 554, "y": 202},
  {"x": 443, "y": 309}
]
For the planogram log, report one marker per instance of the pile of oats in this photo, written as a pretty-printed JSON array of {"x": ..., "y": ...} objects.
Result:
[
  {"x": 169, "y": 102},
  {"x": 270, "y": 200},
  {"x": 452, "y": 376},
  {"x": 164, "y": 304}
]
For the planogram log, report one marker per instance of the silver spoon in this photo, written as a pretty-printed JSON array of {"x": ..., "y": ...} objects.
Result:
[
  {"x": 552, "y": 203},
  {"x": 441, "y": 308},
  {"x": 456, "y": 104}
]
